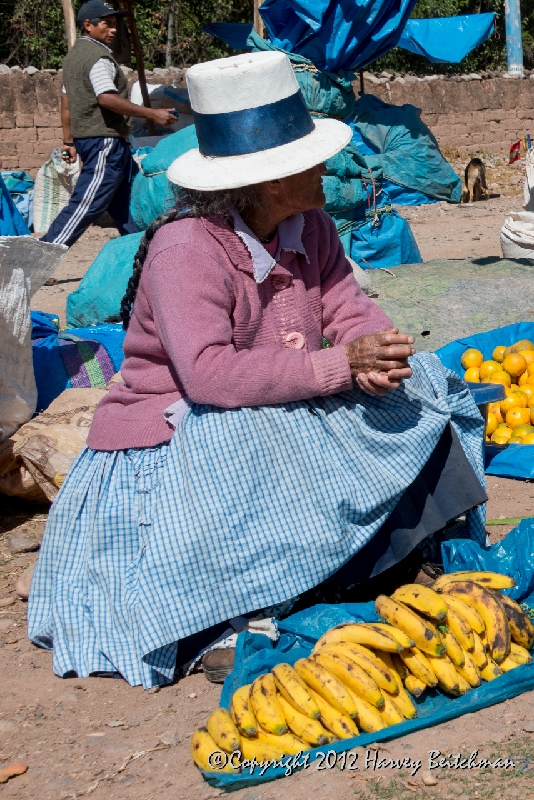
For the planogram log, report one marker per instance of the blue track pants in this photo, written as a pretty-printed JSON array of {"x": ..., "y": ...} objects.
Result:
[{"x": 104, "y": 185}]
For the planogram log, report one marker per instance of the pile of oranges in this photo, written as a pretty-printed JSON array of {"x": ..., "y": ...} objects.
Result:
[{"x": 510, "y": 421}]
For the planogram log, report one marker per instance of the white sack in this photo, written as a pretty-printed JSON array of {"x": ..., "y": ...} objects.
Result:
[
  {"x": 25, "y": 264},
  {"x": 528, "y": 189},
  {"x": 54, "y": 185},
  {"x": 517, "y": 235}
]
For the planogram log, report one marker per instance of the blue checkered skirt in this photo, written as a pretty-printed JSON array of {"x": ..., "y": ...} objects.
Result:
[{"x": 242, "y": 509}]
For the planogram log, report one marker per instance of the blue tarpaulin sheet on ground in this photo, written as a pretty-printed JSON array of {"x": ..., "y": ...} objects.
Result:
[
  {"x": 446, "y": 40},
  {"x": 513, "y": 460},
  {"x": 336, "y": 34},
  {"x": 256, "y": 654}
]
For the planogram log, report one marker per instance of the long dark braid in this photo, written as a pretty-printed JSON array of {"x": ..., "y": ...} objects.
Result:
[{"x": 189, "y": 204}]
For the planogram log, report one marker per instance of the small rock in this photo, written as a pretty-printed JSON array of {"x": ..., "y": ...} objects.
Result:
[
  {"x": 171, "y": 738},
  {"x": 529, "y": 726},
  {"x": 373, "y": 79},
  {"x": 398, "y": 79},
  {"x": 115, "y": 723},
  {"x": 126, "y": 70},
  {"x": 16, "y": 68},
  {"x": 153, "y": 690},
  {"x": 7, "y": 601},
  {"x": 475, "y": 76},
  {"x": 30, "y": 70},
  {"x": 22, "y": 586},
  {"x": 159, "y": 71},
  {"x": 23, "y": 544},
  {"x": 67, "y": 697},
  {"x": 410, "y": 79},
  {"x": 192, "y": 695},
  {"x": 50, "y": 71},
  {"x": 5, "y": 70},
  {"x": 430, "y": 78},
  {"x": 5, "y": 624},
  {"x": 429, "y": 779}
]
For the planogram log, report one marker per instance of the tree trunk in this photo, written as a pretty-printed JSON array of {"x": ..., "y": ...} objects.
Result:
[{"x": 170, "y": 37}]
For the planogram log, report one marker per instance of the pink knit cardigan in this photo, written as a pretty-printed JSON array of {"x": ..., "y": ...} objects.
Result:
[{"x": 202, "y": 328}]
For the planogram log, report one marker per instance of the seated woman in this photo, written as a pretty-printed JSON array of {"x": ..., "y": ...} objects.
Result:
[{"x": 242, "y": 463}]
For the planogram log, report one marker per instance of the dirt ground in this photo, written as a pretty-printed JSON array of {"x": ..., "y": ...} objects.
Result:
[{"x": 104, "y": 739}]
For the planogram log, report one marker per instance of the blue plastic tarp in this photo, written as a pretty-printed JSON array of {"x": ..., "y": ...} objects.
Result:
[
  {"x": 11, "y": 220},
  {"x": 336, "y": 34},
  {"x": 99, "y": 295},
  {"x": 405, "y": 148},
  {"x": 446, "y": 40},
  {"x": 513, "y": 460},
  {"x": 256, "y": 654},
  {"x": 235, "y": 34}
]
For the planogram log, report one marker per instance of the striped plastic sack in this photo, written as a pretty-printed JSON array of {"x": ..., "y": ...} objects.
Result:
[{"x": 54, "y": 185}]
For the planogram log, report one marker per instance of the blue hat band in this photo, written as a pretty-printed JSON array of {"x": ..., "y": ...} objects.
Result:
[{"x": 237, "y": 133}]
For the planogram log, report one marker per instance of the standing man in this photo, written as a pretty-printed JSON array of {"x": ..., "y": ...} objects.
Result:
[{"x": 94, "y": 111}]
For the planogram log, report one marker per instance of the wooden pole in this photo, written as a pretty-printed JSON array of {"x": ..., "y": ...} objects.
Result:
[
  {"x": 136, "y": 44},
  {"x": 258, "y": 22},
  {"x": 70, "y": 22},
  {"x": 170, "y": 37},
  {"x": 362, "y": 83}
]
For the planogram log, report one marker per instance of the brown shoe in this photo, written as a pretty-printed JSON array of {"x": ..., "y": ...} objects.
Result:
[{"x": 218, "y": 664}]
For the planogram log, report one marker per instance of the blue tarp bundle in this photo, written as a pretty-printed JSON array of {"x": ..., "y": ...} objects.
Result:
[
  {"x": 513, "y": 460},
  {"x": 11, "y": 220},
  {"x": 99, "y": 295},
  {"x": 256, "y": 654},
  {"x": 20, "y": 186},
  {"x": 447, "y": 40},
  {"x": 336, "y": 34},
  {"x": 78, "y": 358}
]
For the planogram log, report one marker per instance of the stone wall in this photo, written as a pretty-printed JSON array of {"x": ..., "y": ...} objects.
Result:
[{"x": 470, "y": 114}]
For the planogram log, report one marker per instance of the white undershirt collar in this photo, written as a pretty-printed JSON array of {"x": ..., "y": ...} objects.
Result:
[{"x": 289, "y": 238}]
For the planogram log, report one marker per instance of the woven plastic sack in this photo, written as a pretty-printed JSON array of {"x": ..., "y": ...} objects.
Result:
[
  {"x": 517, "y": 235},
  {"x": 98, "y": 297},
  {"x": 54, "y": 185},
  {"x": 507, "y": 461},
  {"x": 257, "y": 654}
]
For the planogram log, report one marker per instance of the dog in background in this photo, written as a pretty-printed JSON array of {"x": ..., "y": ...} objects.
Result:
[{"x": 475, "y": 187}]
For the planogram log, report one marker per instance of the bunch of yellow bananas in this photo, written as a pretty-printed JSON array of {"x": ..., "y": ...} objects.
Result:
[{"x": 360, "y": 676}]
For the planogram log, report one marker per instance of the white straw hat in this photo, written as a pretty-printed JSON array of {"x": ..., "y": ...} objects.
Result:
[{"x": 252, "y": 125}]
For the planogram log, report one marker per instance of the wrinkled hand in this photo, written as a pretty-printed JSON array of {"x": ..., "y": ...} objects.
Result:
[
  {"x": 163, "y": 117},
  {"x": 379, "y": 361},
  {"x": 72, "y": 154}
]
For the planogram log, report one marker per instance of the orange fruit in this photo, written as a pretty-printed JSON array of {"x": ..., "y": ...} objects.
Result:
[
  {"x": 472, "y": 375},
  {"x": 530, "y": 369},
  {"x": 512, "y": 401},
  {"x": 522, "y": 430},
  {"x": 501, "y": 377},
  {"x": 499, "y": 353},
  {"x": 528, "y": 439},
  {"x": 472, "y": 358},
  {"x": 499, "y": 440},
  {"x": 530, "y": 381},
  {"x": 487, "y": 368},
  {"x": 523, "y": 378},
  {"x": 528, "y": 355},
  {"x": 491, "y": 424},
  {"x": 501, "y": 433},
  {"x": 518, "y": 416},
  {"x": 514, "y": 364},
  {"x": 523, "y": 344},
  {"x": 532, "y": 415},
  {"x": 528, "y": 390}
]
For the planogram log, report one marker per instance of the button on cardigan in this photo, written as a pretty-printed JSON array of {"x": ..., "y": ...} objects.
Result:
[{"x": 202, "y": 328}]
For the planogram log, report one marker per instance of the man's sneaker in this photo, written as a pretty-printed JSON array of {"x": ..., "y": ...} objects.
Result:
[{"x": 218, "y": 664}]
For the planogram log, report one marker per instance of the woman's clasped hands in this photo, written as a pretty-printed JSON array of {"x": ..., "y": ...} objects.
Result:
[{"x": 379, "y": 361}]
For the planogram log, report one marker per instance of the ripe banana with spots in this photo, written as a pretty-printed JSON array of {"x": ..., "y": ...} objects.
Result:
[
  {"x": 508, "y": 663},
  {"x": 445, "y": 672},
  {"x": 460, "y": 628},
  {"x": 468, "y": 613},
  {"x": 202, "y": 746},
  {"x": 288, "y": 743},
  {"x": 322, "y": 681},
  {"x": 260, "y": 750},
  {"x": 422, "y": 599},
  {"x": 265, "y": 705},
  {"x": 422, "y": 632},
  {"x": 342, "y": 726},
  {"x": 368, "y": 717},
  {"x": 454, "y": 648},
  {"x": 470, "y": 671},
  {"x": 520, "y": 653},
  {"x": 366, "y": 659},
  {"x": 309, "y": 730},
  {"x": 292, "y": 687},
  {"x": 490, "y": 580},
  {"x": 351, "y": 675},
  {"x": 390, "y": 630},
  {"x": 242, "y": 714},
  {"x": 223, "y": 731},
  {"x": 491, "y": 670},
  {"x": 521, "y": 627},
  {"x": 491, "y": 609},
  {"x": 359, "y": 634},
  {"x": 389, "y": 711},
  {"x": 479, "y": 652},
  {"x": 403, "y": 702},
  {"x": 463, "y": 685},
  {"x": 414, "y": 685},
  {"x": 420, "y": 666}
]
